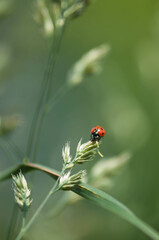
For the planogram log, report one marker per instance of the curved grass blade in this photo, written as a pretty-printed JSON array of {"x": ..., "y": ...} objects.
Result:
[
  {"x": 27, "y": 168},
  {"x": 111, "y": 204},
  {"x": 97, "y": 196}
]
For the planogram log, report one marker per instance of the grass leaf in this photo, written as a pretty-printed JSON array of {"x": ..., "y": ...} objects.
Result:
[
  {"x": 111, "y": 204},
  {"x": 97, "y": 196},
  {"x": 27, "y": 168}
]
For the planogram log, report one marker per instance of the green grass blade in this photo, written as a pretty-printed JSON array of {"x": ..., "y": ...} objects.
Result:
[
  {"x": 27, "y": 168},
  {"x": 111, "y": 204},
  {"x": 97, "y": 196}
]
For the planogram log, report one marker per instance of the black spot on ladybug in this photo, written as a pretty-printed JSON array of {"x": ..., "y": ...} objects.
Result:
[{"x": 101, "y": 128}]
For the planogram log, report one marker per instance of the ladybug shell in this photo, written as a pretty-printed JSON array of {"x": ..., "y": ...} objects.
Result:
[
  {"x": 101, "y": 132},
  {"x": 97, "y": 132}
]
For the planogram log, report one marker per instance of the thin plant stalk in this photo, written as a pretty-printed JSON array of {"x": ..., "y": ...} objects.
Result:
[
  {"x": 36, "y": 126},
  {"x": 12, "y": 224},
  {"x": 24, "y": 228},
  {"x": 39, "y": 114},
  {"x": 15, "y": 154},
  {"x": 16, "y": 149},
  {"x": 23, "y": 220},
  {"x": 37, "y": 111},
  {"x": 60, "y": 93},
  {"x": 10, "y": 152},
  {"x": 47, "y": 94}
]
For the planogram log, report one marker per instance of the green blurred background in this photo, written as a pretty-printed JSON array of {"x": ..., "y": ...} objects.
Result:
[{"x": 123, "y": 99}]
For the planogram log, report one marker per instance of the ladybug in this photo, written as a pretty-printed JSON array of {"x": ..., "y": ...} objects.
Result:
[{"x": 97, "y": 133}]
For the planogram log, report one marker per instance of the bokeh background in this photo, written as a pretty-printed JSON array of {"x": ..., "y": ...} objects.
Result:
[{"x": 124, "y": 99}]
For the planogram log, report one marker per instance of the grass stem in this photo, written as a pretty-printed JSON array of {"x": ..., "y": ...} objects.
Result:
[
  {"x": 46, "y": 87},
  {"x": 24, "y": 229}
]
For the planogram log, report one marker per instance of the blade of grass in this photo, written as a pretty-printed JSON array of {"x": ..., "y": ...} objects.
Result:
[
  {"x": 6, "y": 174},
  {"x": 97, "y": 196},
  {"x": 37, "y": 112},
  {"x": 46, "y": 87},
  {"x": 111, "y": 204}
]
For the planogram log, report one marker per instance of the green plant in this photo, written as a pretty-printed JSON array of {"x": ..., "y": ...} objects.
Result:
[{"x": 54, "y": 17}]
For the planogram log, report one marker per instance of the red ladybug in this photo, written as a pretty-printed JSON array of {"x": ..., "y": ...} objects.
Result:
[{"x": 97, "y": 133}]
